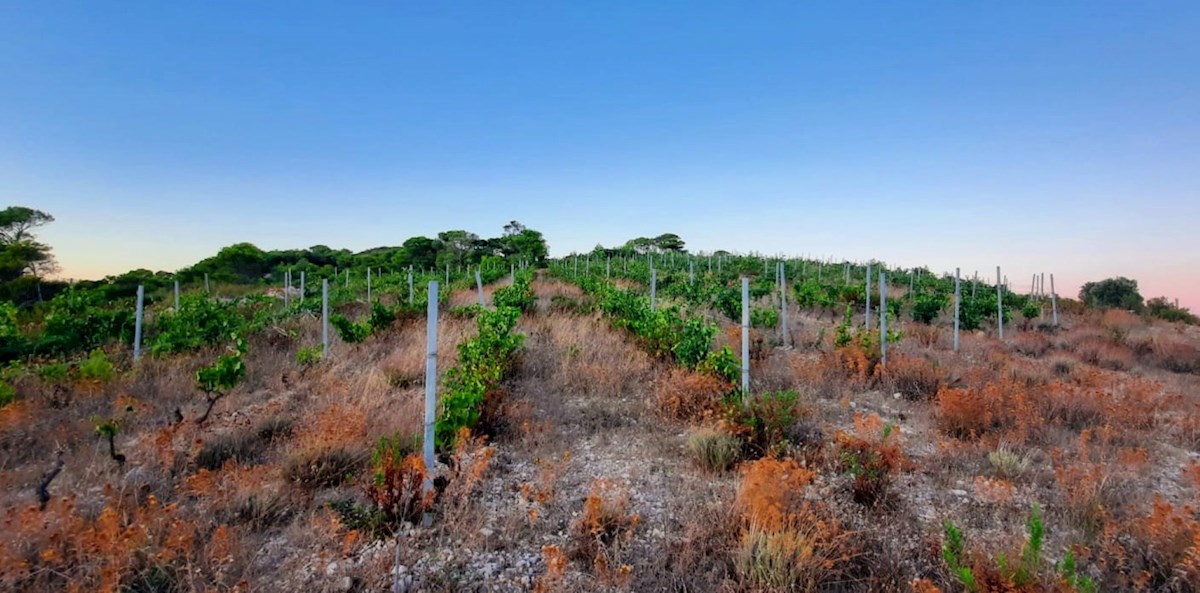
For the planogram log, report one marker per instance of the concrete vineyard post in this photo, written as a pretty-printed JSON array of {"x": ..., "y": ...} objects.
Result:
[
  {"x": 653, "y": 286},
  {"x": 783, "y": 321},
  {"x": 410, "y": 285},
  {"x": 287, "y": 288},
  {"x": 447, "y": 275},
  {"x": 1053, "y": 300},
  {"x": 347, "y": 278},
  {"x": 974, "y": 283},
  {"x": 867, "y": 322},
  {"x": 883, "y": 319},
  {"x": 479, "y": 286},
  {"x": 206, "y": 288},
  {"x": 745, "y": 338},
  {"x": 1042, "y": 285},
  {"x": 176, "y": 295},
  {"x": 691, "y": 272},
  {"x": 324, "y": 318},
  {"x": 608, "y": 268},
  {"x": 137, "y": 323},
  {"x": 999, "y": 303},
  {"x": 301, "y": 287},
  {"x": 431, "y": 379},
  {"x": 575, "y": 272},
  {"x": 368, "y": 285},
  {"x": 957, "y": 306},
  {"x": 512, "y": 273}
]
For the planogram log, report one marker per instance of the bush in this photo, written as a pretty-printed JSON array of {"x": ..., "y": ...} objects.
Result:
[
  {"x": 871, "y": 456},
  {"x": 321, "y": 468},
  {"x": 760, "y": 317},
  {"x": 200, "y": 321},
  {"x": 349, "y": 331},
  {"x": 915, "y": 378},
  {"x": 80, "y": 320},
  {"x": 398, "y": 477},
  {"x": 686, "y": 395},
  {"x": 787, "y": 542},
  {"x": 8, "y": 394},
  {"x": 1118, "y": 293},
  {"x": 1161, "y": 308},
  {"x": 1175, "y": 356},
  {"x": 482, "y": 362},
  {"x": 714, "y": 450},
  {"x": 97, "y": 368},
  {"x": 927, "y": 307},
  {"x": 764, "y": 420},
  {"x": 309, "y": 355}
]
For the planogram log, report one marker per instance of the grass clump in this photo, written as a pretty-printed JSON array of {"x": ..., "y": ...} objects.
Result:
[{"x": 714, "y": 450}]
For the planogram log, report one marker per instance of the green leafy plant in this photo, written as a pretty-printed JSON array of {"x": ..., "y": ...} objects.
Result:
[
  {"x": 97, "y": 368},
  {"x": 482, "y": 362},
  {"x": 760, "y": 317},
  {"x": 8, "y": 394},
  {"x": 108, "y": 429},
  {"x": 927, "y": 307},
  {"x": 200, "y": 321},
  {"x": 309, "y": 355},
  {"x": 217, "y": 380},
  {"x": 764, "y": 419},
  {"x": 350, "y": 332}
]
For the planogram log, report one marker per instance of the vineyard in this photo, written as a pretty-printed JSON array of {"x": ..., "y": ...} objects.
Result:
[{"x": 623, "y": 420}]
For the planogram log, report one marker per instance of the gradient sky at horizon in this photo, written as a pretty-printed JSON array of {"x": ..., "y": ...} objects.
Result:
[{"x": 1055, "y": 137}]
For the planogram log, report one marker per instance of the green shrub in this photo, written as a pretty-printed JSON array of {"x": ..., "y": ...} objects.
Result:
[
  {"x": 927, "y": 307},
  {"x": 761, "y": 317},
  {"x": 81, "y": 319},
  {"x": 8, "y": 394},
  {"x": 200, "y": 321},
  {"x": 350, "y": 332},
  {"x": 766, "y": 418},
  {"x": 695, "y": 342},
  {"x": 482, "y": 361},
  {"x": 1119, "y": 293},
  {"x": 309, "y": 355},
  {"x": 217, "y": 380},
  {"x": 96, "y": 367},
  {"x": 1161, "y": 308},
  {"x": 57, "y": 372},
  {"x": 382, "y": 317}
]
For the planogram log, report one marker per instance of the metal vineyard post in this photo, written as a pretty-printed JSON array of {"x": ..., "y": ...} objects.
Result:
[
  {"x": 745, "y": 338},
  {"x": 479, "y": 285},
  {"x": 1053, "y": 300},
  {"x": 431, "y": 339},
  {"x": 882, "y": 319},
  {"x": 999, "y": 303},
  {"x": 324, "y": 318},
  {"x": 957, "y": 306},
  {"x": 653, "y": 286},
  {"x": 137, "y": 326},
  {"x": 867, "y": 322},
  {"x": 783, "y": 322}
]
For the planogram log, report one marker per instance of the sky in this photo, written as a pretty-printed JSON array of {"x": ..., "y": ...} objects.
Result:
[{"x": 1043, "y": 137}]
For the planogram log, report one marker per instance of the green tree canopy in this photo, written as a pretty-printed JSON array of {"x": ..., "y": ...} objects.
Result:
[
  {"x": 1120, "y": 293},
  {"x": 20, "y": 252}
]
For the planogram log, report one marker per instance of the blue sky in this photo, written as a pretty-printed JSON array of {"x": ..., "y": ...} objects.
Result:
[{"x": 1043, "y": 137}]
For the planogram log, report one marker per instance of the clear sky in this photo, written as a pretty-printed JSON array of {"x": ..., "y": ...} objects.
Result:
[{"x": 1039, "y": 136}]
